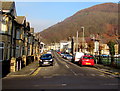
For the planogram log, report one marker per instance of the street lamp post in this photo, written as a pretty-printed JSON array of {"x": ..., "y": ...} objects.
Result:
[
  {"x": 83, "y": 44},
  {"x": 77, "y": 42}
]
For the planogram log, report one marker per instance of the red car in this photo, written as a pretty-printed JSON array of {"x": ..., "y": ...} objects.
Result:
[
  {"x": 86, "y": 60},
  {"x": 59, "y": 52}
]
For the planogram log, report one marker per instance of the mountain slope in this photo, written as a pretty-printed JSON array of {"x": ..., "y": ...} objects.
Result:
[{"x": 102, "y": 18}]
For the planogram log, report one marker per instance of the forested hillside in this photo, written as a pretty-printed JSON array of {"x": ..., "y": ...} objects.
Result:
[{"x": 102, "y": 19}]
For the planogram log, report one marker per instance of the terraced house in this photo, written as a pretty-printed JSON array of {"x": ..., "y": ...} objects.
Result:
[
  {"x": 8, "y": 14},
  {"x": 16, "y": 40}
]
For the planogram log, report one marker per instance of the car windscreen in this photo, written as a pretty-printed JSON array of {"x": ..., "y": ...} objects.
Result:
[
  {"x": 46, "y": 56},
  {"x": 88, "y": 57}
]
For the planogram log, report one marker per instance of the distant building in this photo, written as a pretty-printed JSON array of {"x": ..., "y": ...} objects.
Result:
[{"x": 65, "y": 46}]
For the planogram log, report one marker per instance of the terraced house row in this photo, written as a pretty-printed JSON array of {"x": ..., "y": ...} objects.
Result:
[{"x": 18, "y": 44}]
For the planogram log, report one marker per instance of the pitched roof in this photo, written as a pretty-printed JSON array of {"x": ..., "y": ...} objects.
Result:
[
  {"x": 20, "y": 19},
  {"x": 107, "y": 38},
  {"x": 8, "y": 5}
]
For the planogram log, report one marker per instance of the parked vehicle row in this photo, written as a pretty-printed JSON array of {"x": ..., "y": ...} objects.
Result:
[
  {"x": 68, "y": 56},
  {"x": 79, "y": 58},
  {"x": 65, "y": 55}
]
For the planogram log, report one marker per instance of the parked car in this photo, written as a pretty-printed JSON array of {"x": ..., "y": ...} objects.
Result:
[
  {"x": 68, "y": 56},
  {"x": 104, "y": 55},
  {"x": 62, "y": 54},
  {"x": 46, "y": 59},
  {"x": 86, "y": 60},
  {"x": 59, "y": 52},
  {"x": 77, "y": 56}
]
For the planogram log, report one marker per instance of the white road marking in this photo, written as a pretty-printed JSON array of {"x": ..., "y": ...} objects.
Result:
[
  {"x": 67, "y": 66},
  {"x": 63, "y": 84},
  {"x": 73, "y": 72},
  {"x": 92, "y": 74}
]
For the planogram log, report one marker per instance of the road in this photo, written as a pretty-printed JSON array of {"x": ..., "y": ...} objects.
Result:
[{"x": 62, "y": 75}]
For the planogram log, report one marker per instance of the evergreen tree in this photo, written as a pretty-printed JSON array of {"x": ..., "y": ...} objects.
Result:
[{"x": 112, "y": 51}]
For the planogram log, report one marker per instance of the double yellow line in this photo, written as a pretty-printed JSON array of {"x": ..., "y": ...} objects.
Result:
[
  {"x": 36, "y": 72},
  {"x": 114, "y": 73}
]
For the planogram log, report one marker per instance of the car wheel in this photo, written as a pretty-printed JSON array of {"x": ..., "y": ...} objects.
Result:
[
  {"x": 51, "y": 64},
  {"x": 81, "y": 65},
  {"x": 40, "y": 65}
]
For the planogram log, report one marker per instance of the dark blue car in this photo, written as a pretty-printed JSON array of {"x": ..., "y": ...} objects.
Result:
[{"x": 46, "y": 59}]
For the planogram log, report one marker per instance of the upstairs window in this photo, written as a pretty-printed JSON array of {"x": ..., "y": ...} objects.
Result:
[
  {"x": 4, "y": 24},
  {"x": 18, "y": 34},
  {"x": 3, "y": 27},
  {"x": 17, "y": 51}
]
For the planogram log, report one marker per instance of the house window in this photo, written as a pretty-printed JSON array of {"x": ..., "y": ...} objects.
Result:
[
  {"x": 1, "y": 51},
  {"x": 23, "y": 51},
  {"x": 18, "y": 34},
  {"x": 29, "y": 40},
  {"x": 10, "y": 26},
  {"x": 28, "y": 51},
  {"x": 4, "y": 24},
  {"x": 17, "y": 51},
  {"x": 3, "y": 27},
  {"x": 8, "y": 52}
]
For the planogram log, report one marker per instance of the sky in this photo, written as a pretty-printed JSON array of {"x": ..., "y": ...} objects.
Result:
[{"x": 42, "y": 15}]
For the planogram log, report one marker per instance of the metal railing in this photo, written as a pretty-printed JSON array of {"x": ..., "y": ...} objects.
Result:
[{"x": 106, "y": 60}]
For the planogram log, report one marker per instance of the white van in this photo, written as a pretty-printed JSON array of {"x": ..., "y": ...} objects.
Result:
[{"x": 77, "y": 56}]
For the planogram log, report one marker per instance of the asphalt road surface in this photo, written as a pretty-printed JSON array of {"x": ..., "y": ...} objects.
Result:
[{"x": 63, "y": 75}]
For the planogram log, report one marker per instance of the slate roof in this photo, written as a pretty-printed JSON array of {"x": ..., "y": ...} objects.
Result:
[
  {"x": 20, "y": 19},
  {"x": 8, "y": 5}
]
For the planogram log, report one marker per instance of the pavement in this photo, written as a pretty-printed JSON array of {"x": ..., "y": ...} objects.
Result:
[
  {"x": 31, "y": 68},
  {"x": 28, "y": 70},
  {"x": 108, "y": 69}
]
